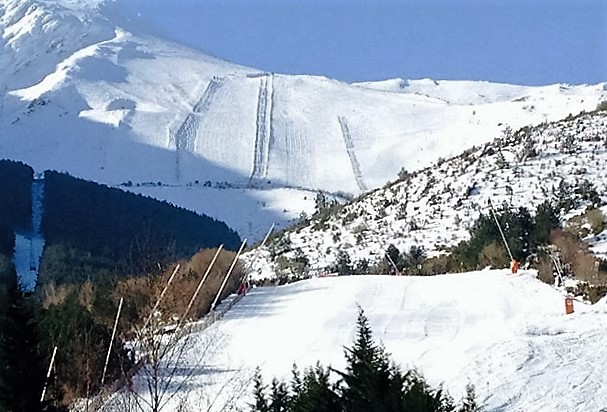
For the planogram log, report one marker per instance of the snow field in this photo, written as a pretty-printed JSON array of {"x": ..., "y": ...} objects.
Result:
[{"x": 506, "y": 334}]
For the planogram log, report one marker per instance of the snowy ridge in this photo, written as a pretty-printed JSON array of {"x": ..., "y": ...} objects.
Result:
[
  {"x": 436, "y": 206},
  {"x": 454, "y": 92}
]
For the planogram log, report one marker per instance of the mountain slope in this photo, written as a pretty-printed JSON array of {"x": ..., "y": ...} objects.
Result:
[
  {"x": 91, "y": 91},
  {"x": 435, "y": 207},
  {"x": 507, "y": 335}
]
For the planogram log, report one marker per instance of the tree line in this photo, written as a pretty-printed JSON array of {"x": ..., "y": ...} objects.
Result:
[
  {"x": 91, "y": 229},
  {"x": 371, "y": 382}
]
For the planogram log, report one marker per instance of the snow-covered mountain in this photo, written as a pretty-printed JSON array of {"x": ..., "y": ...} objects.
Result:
[
  {"x": 435, "y": 207},
  {"x": 89, "y": 90}
]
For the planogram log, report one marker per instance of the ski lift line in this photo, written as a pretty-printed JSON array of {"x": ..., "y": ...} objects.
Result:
[
  {"x": 204, "y": 278},
  {"x": 557, "y": 266},
  {"x": 109, "y": 349},
  {"x": 263, "y": 243},
  {"x": 501, "y": 231},
  {"x": 48, "y": 374},
  {"x": 392, "y": 263},
  {"x": 225, "y": 280},
  {"x": 161, "y": 296}
]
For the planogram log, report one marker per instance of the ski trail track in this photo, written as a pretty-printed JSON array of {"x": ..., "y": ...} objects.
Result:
[
  {"x": 187, "y": 132},
  {"x": 37, "y": 204},
  {"x": 345, "y": 131},
  {"x": 263, "y": 129},
  {"x": 289, "y": 150},
  {"x": 296, "y": 155},
  {"x": 185, "y": 138}
]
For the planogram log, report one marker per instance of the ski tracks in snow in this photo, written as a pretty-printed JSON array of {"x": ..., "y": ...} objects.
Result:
[
  {"x": 536, "y": 386},
  {"x": 185, "y": 138},
  {"x": 263, "y": 129},
  {"x": 345, "y": 131}
]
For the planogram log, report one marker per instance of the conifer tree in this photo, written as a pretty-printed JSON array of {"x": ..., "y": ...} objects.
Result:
[
  {"x": 420, "y": 397},
  {"x": 279, "y": 397},
  {"x": 22, "y": 372},
  {"x": 344, "y": 264},
  {"x": 469, "y": 403},
  {"x": 261, "y": 402},
  {"x": 371, "y": 382},
  {"x": 546, "y": 219},
  {"x": 313, "y": 392}
]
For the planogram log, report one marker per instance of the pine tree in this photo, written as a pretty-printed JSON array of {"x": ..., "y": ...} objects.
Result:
[
  {"x": 279, "y": 397},
  {"x": 371, "y": 382},
  {"x": 321, "y": 203},
  {"x": 22, "y": 372},
  {"x": 469, "y": 403},
  {"x": 261, "y": 402},
  {"x": 419, "y": 396},
  {"x": 313, "y": 392},
  {"x": 344, "y": 264},
  {"x": 393, "y": 257},
  {"x": 546, "y": 219},
  {"x": 518, "y": 227}
]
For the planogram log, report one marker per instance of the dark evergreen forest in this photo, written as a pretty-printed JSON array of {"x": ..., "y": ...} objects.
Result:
[
  {"x": 93, "y": 230},
  {"x": 15, "y": 202},
  {"x": 101, "y": 243}
]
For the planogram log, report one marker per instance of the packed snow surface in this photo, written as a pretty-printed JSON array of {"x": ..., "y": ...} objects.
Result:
[{"x": 506, "y": 334}]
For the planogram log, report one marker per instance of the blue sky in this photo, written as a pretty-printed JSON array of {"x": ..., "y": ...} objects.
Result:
[{"x": 530, "y": 42}]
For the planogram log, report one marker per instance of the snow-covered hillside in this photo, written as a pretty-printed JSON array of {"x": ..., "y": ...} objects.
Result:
[
  {"x": 91, "y": 91},
  {"x": 508, "y": 335},
  {"x": 436, "y": 207},
  {"x": 454, "y": 92}
]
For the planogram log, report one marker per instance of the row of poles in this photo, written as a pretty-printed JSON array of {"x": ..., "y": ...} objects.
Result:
[{"x": 183, "y": 318}]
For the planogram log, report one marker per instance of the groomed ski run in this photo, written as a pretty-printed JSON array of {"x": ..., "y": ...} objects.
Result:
[
  {"x": 264, "y": 126},
  {"x": 506, "y": 334},
  {"x": 345, "y": 131}
]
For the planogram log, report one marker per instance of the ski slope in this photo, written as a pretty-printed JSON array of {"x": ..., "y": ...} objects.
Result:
[{"x": 508, "y": 335}]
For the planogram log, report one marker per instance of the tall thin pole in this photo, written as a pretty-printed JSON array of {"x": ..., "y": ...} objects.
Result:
[
  {"x": 501, "y": 231},
  {"x": 48, "y": 374},
  {"x": 109, "y": 349},
  {"x": 557, "y": 267},
  {"x": 225, "y": 280},
  {"x": 206, "y": 274},
  {"x": 393, "y": 264},
  {"x": 263, "y": 243},
  {"x": 161, "y": 296}
]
